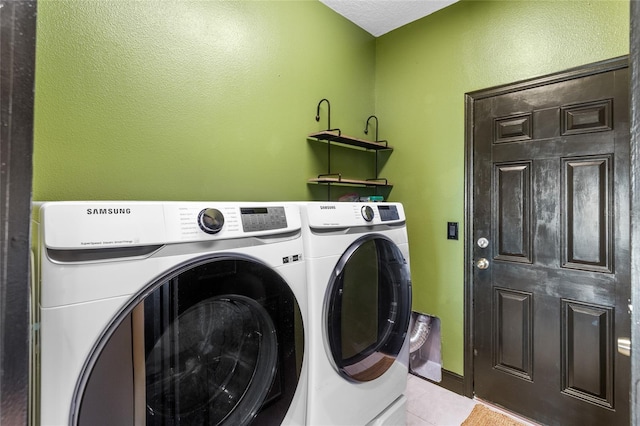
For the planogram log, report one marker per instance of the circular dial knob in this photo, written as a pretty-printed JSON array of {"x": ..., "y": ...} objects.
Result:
[
  {"x": 367, "y": 213},
  {"x": 210, "y": 221}
]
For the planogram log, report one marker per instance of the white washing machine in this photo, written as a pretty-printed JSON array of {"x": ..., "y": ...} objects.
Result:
[
  {"x": 357, "y": 257},
  {"x": 169, "y": 313}
]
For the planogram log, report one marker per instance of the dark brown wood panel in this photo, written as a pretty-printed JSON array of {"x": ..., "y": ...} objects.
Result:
[
  {"x": 587, "y": 118},
  {"x": 587, "y": 226},
  {"x": 546, "y": 115},
  {"x": 588, "y": 352},
  {"x": 511, "y": 129},
  {"x": 513, "y": 198},
  {"x": 513, "y": 335}
]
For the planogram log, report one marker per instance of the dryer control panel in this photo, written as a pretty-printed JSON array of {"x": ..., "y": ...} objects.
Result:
[
  {"x": 345, "y": 215},
  {"x": 388, "y": 212}
]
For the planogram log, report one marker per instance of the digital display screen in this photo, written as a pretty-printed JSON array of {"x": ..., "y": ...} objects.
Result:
[
  {"x": 388, "y": 213},
  {"x": 254, "y": 210}
]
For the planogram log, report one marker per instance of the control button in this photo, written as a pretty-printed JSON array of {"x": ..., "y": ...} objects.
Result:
[
  {"x": 367, "y": 213},
  {"x": 210, "y": 221}
]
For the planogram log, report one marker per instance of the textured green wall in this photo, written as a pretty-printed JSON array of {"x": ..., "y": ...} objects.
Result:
[
  {"x": 213, "y": 99},
  {"x": 179, "y": 100},
  {"x": 423, "y": 71}
]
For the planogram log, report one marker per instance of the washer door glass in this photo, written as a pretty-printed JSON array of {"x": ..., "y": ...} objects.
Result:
[
  {"x": 215, "y": 362},
  {"x": 368, "y": 308},
  {"x": 218, "y": 342}
]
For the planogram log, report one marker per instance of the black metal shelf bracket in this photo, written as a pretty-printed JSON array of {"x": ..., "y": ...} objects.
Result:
[
  {"x": 338, "y": 175},
  {"x": 386, "y": 182},
  {"x": 366, "y": 126},
  {"x": 366, "y": 131},
  {"x": 329, "y": 129},
  {"x": 328, "y": 112}
]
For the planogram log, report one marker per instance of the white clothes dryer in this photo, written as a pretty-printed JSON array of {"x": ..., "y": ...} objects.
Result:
[
  {"x": 357, "y": 257},
  {"x": 169, "y": 313}
]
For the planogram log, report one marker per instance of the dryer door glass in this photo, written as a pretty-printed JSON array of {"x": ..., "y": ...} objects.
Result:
[
  {"x": 367, "y": 308},
  {"x": 218, "y": 342}
]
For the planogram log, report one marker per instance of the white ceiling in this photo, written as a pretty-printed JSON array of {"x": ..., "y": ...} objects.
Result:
[{"x": 378, "y": 17}]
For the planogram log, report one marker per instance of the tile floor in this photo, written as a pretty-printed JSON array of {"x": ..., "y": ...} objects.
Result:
[{"x": 431, "y": 405}]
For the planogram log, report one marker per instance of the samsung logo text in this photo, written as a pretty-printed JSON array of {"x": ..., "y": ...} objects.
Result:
[{"x": 108, "y": 211}]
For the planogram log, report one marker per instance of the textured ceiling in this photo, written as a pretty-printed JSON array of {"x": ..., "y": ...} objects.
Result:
[{"x": 378, "y": 17}]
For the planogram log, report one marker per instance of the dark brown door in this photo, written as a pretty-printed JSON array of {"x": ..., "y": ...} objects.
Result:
[{"x": 551, "y": 197}]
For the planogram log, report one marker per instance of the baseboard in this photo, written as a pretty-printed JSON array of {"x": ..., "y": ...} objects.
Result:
[{"x": 450, "y": 381}]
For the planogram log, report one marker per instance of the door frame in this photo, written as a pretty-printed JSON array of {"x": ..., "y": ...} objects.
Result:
[
  {"x": 470, "y": 99},
  {"x": 634, "y": 65},
  {"x": 17, "y": 68}
]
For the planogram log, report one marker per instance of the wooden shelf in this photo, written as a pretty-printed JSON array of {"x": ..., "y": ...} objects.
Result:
[
  {"x": 334, "y": 137},
  {"x": 349, "y": 182}
]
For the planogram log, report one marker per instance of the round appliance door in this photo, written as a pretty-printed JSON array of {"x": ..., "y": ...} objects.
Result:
[
  {"x": 217, "y": 342},
  {"x": 368, "y": 308}
]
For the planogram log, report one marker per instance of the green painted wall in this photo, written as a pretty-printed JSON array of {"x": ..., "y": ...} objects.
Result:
[
  {"x": 423, "y": 71},
  {"x": 213, "y": 99},
  {"x": 192, "y": 100}
]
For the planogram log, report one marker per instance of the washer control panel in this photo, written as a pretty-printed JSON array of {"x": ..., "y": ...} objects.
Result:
[
  {"x": 109, "y": 224},
  {"x": 262, "y": 218}
]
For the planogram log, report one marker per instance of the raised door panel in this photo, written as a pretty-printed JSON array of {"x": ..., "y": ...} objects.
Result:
[
  {"x": 513, "y": 211},
  {"x": 587, "y": 352},
  {"x": 587, "y": 187},
  {"x": 513, "y": 332}
]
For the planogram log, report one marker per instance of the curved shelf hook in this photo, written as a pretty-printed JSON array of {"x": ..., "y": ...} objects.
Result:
[
  {"x": 328, "y": 112},
  {"x": 366, "y": 127}
]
